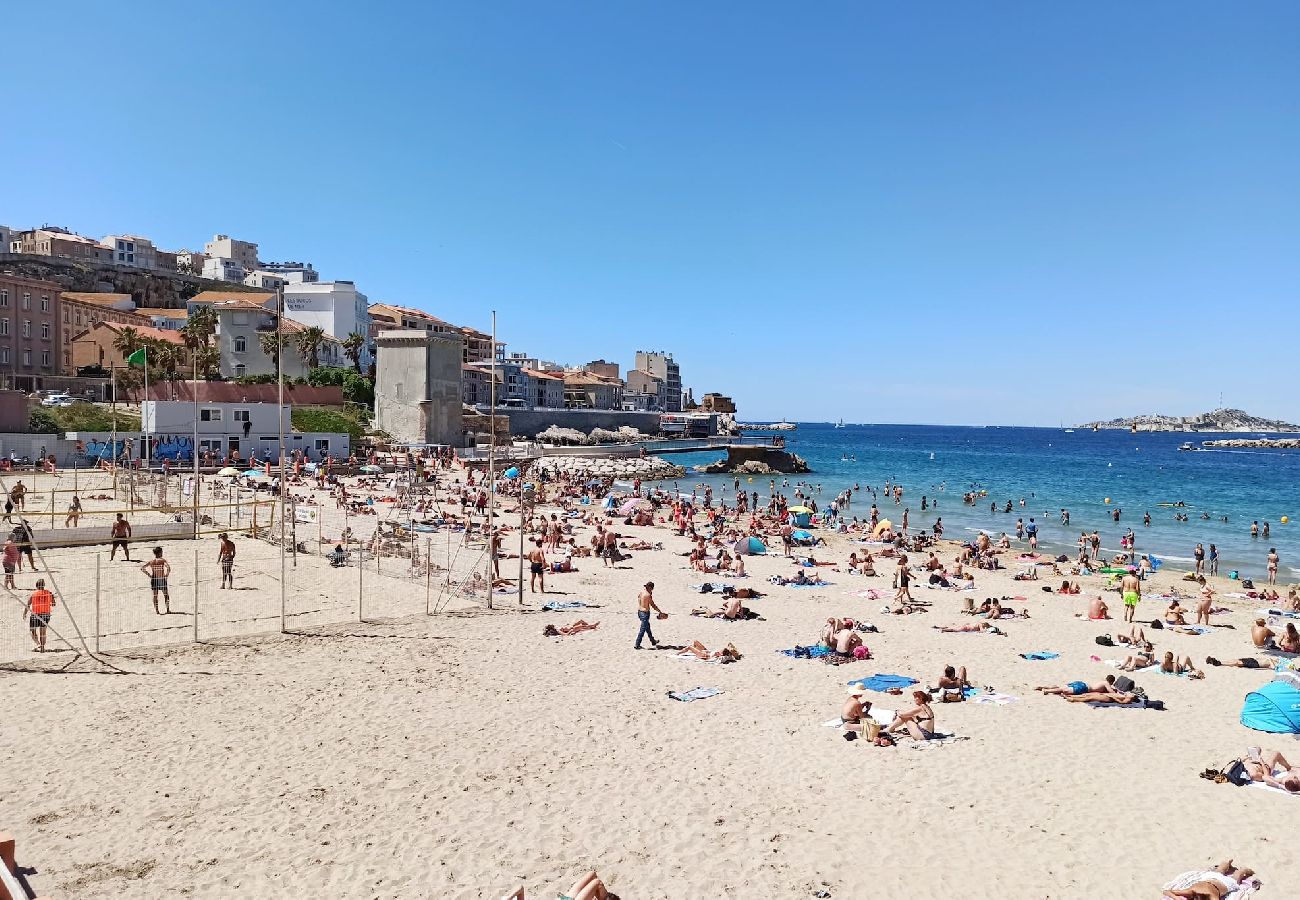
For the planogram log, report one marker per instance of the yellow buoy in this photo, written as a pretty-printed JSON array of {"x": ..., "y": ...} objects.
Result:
[
  {"x": 750, "y": 479},
  {"x": 1285, "y": 520},
  {"x": 1107, "y": 499}
]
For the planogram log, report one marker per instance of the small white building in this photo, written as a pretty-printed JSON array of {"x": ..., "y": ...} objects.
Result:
[
  {"x": 292, "y": 272},
  {"x": 131, "y": 250},
  {"x": 242, "y": 252},
  {"x": 223, "y": 268},
  {"x": 251, "y": 429},
  {"x": 337, "y": 307}
]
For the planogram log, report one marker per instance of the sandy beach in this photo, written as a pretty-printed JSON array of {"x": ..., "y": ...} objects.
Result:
[{"x": 463, "y": 754}]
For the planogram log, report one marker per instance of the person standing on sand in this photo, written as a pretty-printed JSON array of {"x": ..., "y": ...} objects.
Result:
[
  {"x": 40, "y": 605},
  {"x": 121, "y": 532},
  {"x": 904, "y": 577},
  {"x": 1131, "y": 588},
  {"x": 11, "y": 560},
  {"x": 537, "y": 566},
  {"x": 158, "y": 569},
  {"x": 1214, "y": 560},
  {"x": 74, "y": 512},
  {"x": 226, "y": 558},
  {"x": 645, "y": 602},
  {"x": 1199, "y": 556}
]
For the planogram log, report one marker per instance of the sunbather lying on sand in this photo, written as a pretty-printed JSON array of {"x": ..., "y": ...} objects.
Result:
[
  {"x": 588, "y": 887},
  {"x": 1215, "y": 884},
  {"x": 730, "y": 610},
  {"x": 576, "y": 628},
  {"x": 1247, "y": 662},
  {"x": 727, "y": 654},
  {"x": 1078, "y": 688},
  {"x": 973, "y": 627},
  {"x": 1172, "y": 665},
  {"x": 1136, "y": 636},
  {"x": 1145, "y": 656},
  {"x": 1270, "y": 767}
]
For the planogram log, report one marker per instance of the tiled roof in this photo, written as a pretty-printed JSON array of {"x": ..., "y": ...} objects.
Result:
[
  {"x": 95, "y": 298},
  {"x": 257, "y": 297}
]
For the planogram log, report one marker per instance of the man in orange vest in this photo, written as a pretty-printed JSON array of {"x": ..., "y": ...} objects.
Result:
[{"x": 38, "y": 609}]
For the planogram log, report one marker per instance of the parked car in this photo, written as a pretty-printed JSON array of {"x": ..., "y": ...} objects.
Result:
[{"x": 58, "y": 400}]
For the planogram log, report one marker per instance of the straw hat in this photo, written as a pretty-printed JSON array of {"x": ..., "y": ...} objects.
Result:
[{"x": 854, "y": 690}]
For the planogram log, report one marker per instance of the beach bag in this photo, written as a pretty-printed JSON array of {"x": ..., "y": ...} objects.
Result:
[
  {"x": 1105, "y": 640},
  {"x": 1157, "y": 624},
  {"x": 871, "y": 729},
  {"x": 1124, "y": 684},
  {"x": 1235, "y": 772}
]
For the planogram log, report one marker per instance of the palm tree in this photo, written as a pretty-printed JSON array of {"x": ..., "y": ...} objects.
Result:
[
  {"x": 203, "y": 324},
  {"x": 310, "y": 342},
  {"x": 352, "y": 347},
  {"x": 270, "y": 343},
  {"x": 128, "y": 341},
  {"x": 165, "y": 357},
  {"x": 206, "y": 359}
]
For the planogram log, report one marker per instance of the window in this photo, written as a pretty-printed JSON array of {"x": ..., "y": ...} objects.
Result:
[
  {"x": 66, "y": 317},
  {"x": 240, "y": 371},
  {"x": 4, "y": 298},
  {"x": 4, "y": 354},
  {"x": 67, "y": 359},
  {"x": 45, "y": 303},
  {"x": 27, "y": 328},
  {"x": 322, "y": 445},
  {"x": 45, "y": 358},
  {"x": 27, "y": 301},
  {"x": 210, "y": 445},
  {"x": 27, "y": 358},
  {"x": 209, "y": 415},
  {"x": 241, "y": 344},
  {"x": 78, "y": 317},
  {"x": 4, "y": 326},
  {"x": 45, "y": 331},
  {"x": 241, "y": 415}
]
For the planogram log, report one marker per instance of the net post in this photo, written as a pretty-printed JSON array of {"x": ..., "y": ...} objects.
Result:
[
  {"x": 99, "y": 558},
  {"x": 196, "y": 591}
]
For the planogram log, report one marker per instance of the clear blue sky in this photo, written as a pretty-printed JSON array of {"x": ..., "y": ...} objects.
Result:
[{"x": 1016, "y": 212}]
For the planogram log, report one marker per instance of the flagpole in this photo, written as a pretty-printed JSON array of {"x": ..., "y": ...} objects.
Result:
[
  {"x": 148, "y": 454},
  {"x": 279, "y": 380},
  {"x": 112, "y": 443}
]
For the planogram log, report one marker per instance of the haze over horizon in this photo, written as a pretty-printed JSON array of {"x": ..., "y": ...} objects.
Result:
[{"x": 1009, "y": 213}]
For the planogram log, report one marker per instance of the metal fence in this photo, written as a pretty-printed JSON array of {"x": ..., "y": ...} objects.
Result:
[{"x": 388, "y": 568}]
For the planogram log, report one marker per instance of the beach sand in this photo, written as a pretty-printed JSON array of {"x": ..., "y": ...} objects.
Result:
[{"x": 463, "y": 754}]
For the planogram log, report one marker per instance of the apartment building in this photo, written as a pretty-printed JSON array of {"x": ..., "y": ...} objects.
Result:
[
  {"x": 583, "y": 390},
  {"x": 223, "y": 268},
  {"x": 61, "y": 243},
  {"x": 80, "y": 310},
  {"x": 477, "y": 346},
  {"x": 226, "y": 247},
  {"x": 291, "y": 272},
  {"x": 95, "y": 346},
  {"x": 131, "y": 250},
  {"x": 30, "y": 335},
  {"x": 661, "y": 366}
]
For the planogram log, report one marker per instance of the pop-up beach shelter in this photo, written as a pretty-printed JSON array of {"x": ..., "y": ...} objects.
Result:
[
  {"x": 1275, "y": 707},
  {"x": 756, "y": 546}
]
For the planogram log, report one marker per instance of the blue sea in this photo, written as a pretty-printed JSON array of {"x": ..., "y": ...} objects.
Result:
[{"x": 1052, "y": 469}]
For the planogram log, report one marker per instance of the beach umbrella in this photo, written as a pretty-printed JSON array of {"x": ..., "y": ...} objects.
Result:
[
  {"x": 371, "y": 470},
  {"x": 254, "y": 473},
  {"x": 884, "y": 524},
  {"x": 511, "y": 472},
  {"x": 801, "y": 535},
  {"x": 632, "y": 506},
  {"x": 228, "y": 471},
  {"x": 798, "y": 509}
]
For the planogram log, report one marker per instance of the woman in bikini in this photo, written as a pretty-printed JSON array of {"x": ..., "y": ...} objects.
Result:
[
  {"x": 918, "y": 721},
  {"x": 1214, "y": 884}
]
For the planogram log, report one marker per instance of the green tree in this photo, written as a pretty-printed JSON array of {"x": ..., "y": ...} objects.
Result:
[
  {"x": 41, "y": 421},
  {"x": 128, "y": 341},
  {"x": 270, "y": 343},
  {"x": 310, "y": 342},
  {"x": 353, "y": 344}
]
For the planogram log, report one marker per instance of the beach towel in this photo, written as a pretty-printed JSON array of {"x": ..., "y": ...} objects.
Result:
[
  {"x": 1188, "y": 629},
  {"x": 556, "y": 605},
  {"x": 1187, "y": 879},
  {"x": 810, "y": 585},
  {"x": 995, "y": 699},
  {"x": 1137, "y": 704},
  {"x": 1278, "y": 613},
  {"x": 940, "y": 738},
  {"x": 695, "y": 693},
  {"x": 882, "y": 716},
  {"x": 807, "y": 652},
  {"x": 1040, "y": 654},
  {"x": 883, "y": 683}
]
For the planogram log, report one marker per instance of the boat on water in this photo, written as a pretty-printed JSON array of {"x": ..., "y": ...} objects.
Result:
[
  {"x": 839, "y": 424},
  {"x": 1186, "y": 445},
  {"x": 1069, "y": 431}
]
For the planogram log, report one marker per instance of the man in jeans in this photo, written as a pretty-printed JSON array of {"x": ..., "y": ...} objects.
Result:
[{"x": 645, "y": 602}]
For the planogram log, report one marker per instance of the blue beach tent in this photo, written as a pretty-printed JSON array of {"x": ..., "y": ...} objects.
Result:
[
  {"x": 1275, "y": 707},
  {"x": 756, "y": 546},
  {"x": 803, "y": 519}
]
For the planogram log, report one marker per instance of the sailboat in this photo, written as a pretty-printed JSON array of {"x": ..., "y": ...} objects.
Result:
[{"x": 839, "y": 424}]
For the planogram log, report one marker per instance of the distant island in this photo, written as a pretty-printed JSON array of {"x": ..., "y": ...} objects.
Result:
[{"x": 1216, "y": 420}]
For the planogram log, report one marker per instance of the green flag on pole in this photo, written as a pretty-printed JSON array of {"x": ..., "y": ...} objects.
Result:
[{"x": 137, "y": 358}]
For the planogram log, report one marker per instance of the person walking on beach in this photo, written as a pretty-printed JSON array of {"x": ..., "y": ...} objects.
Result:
[
  {"x": 121, "y": 532},
  {"x": 1272, "y": 565},
  {"x": 645, "y": 602},
  {"x": 40, "y": 605},
  {"x": 1214, "y": 560},
  {"x": 904, "y": 578},
  {"x": 1131, "y": 588},
  {"x": 1199, "y": 556},
  {"x": 11, "y": 560},
  {"x": 18, "y": 495},
  {"x": 226, "y": 558},
  {"x": 1032, "y": 530},
  {"x": 22, "y": 535},
  {"x": 74, "y": 512},
  {"x": 537, "y": 567},
  {"x": 158, "y": 569}
]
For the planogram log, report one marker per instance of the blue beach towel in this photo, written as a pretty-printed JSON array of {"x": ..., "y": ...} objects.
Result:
[
  {"x": 813, "y": 652},
  {"x": 1041, "y": 654},
  {"x": 883, "y": 683},
  {"x": 696, "y": 693},
  {"x": 556, "y": 605}
]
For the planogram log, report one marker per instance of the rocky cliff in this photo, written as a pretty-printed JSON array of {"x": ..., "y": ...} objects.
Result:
[
  {"x": 161, "y": 290},
  {"x": 1216, "y": 420}
]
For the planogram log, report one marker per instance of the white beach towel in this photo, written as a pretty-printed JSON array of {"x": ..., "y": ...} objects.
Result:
[
  {"x": 994, "y": 699},
  {"x": 1269, "y": 787}
]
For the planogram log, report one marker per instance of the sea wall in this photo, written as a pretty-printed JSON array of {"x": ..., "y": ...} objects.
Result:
[{"x": 647, "y": 468}]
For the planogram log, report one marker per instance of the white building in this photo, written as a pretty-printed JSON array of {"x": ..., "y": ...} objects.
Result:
[
  {"x": 251, "y": 429},
  {"x": 6, "y": 238},
  {"x": 337, "y": 307},
  {"x": 223, "y": 268},
  {"x": 242, "y": 321},
  {"x": 242, "y": 252},
  {"x": 291, "y": 272},
  {"x": 131, "y": 250},
  {"x": 267, "y": 281}
]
